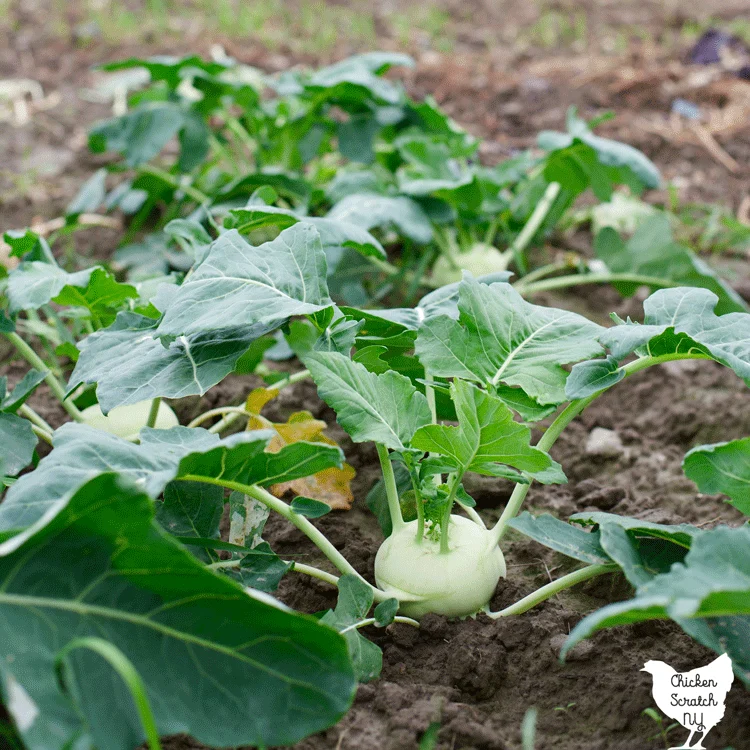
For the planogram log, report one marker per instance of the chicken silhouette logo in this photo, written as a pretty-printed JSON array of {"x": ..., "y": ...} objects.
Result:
[{"x": 694, "y": 699}]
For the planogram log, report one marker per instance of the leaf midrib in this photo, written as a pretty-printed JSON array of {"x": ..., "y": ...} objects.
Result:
[{"x": 87, "y": 610}]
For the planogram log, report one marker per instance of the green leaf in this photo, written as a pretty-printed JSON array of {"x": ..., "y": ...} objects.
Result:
[
  {"x": 241, "y": 285},
  {"x": 386, "y": 409},
  {"x": 17, "y": 443},
  {"x": 355, "y": 600},
  {"x": 204, "y": 632},
  {"x": 191, "y": 235},
  {"x": 356, "y": 137},
  {"x": 368, "y": 210},
  {"x": 262, "y": 569},
  {"x": 640, "y": 557},
  {"x": 26, "y": 243},
  {"x": 442, "y": 301},
  {"x": 9, "y": 402},
  {"x": 140, "y": 134},
  {"x": 708, "y": 595},
  {"x": 681, "y": 534},
  {"x": 91, "y": 195},
  {"x": 486, "y": 435},
  {"x": 36, "y": 283},
  {"x": 587, "y": 378},
  {"x": 296, "y": 189},
  {"x": 130, "y": 364},
  {"x": 610, "y": 153},
  {"x": 722, "y": 468},
  {"x": 192, "y": 509},
  {"x": 6, "y": 324},
  {"x": 334, "y": 234},
  {"x": 82, "y": 452},
  {"x": 561, "y": 537},
  {"x": 678, "y": 321},
  {"x": 501, "y": 338},
  {"x": 385, "y": 612},
  {"x": 195, "y": 142},
  {"x": 357, "y": 79},
  {"x": 101, "y": 296},
  {"x": 172, "y": 70},
  {"x": 651, "y": 251},
  {"x": 310, "y": 508}
]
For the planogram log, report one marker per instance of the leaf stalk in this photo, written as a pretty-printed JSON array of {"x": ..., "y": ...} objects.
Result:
[
  {"x": 303, "y": 524},
  {"x": 389, "y": 479},
  {"x": 37, "y": 363},
  {"x": 555, "y": 587}
]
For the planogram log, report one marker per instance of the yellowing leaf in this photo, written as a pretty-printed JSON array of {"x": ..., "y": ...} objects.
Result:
[
  {"x": 258, "y": 398},
  {"x": 331, "y": 486}
]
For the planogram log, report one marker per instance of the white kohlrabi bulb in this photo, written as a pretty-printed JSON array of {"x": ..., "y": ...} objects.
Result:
[
  {"x": 127, "y": 421},
  {"x": 457, "y": 583}
]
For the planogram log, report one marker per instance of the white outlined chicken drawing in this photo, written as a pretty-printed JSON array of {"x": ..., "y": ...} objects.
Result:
[{"x": 694, "y": 699}]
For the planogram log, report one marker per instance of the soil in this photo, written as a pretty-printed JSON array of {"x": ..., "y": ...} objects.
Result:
[{"x": 478, "y": 677}]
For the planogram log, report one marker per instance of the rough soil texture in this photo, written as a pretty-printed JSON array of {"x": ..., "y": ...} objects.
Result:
[{"x": 478, "y": 677}]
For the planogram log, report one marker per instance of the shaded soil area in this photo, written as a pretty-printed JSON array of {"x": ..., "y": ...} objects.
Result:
[{"x": 478, "y": 677}]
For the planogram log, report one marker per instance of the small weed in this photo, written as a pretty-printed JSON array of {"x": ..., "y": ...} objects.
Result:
[{"x": 663, "y": 731}]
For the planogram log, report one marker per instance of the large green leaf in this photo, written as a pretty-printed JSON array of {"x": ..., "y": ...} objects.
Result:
[
  {"x": 441, "y": 301},
  {"x": 501, "y": 338},
  {"x": 722, "y": 467},
  {"x": 335, "y": 235},
  {"x": 561, "y": 537},
  {"x": 82, "y": 452},
  {"x": 17, "y": 444},
  {"x": 385, "y": 409},
  {"x": 677, "y": 321},
  {"x": 652, "y": 251},
  {"x": 217, "y": 663},
  {"x": 168, "y": 68},
  {"x": 641, "y": 557},
  {"x": 241, "y": 285},
  {"x": 91, "y": 194},
  {"x": 130, "y": 364},
  {"x": 486, "y": 436},
  {"x": 708, "y": 595},
  {"x": 368, "y": 210}
]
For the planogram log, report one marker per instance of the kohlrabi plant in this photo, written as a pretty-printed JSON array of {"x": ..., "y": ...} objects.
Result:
[
  {"x": 198, "y": 139},
  {"x": 280, "y": 222},
  {"x": 120, "y": 532}
]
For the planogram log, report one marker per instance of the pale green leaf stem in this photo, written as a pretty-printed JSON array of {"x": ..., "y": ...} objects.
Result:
[{"x": 38, "y": 364}]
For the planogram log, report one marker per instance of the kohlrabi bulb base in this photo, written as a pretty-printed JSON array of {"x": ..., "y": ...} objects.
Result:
[
  {"x": 479, "y": 260},
  {"x": 127, "y": 421},
  {"x": 456, "y": 584}
]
